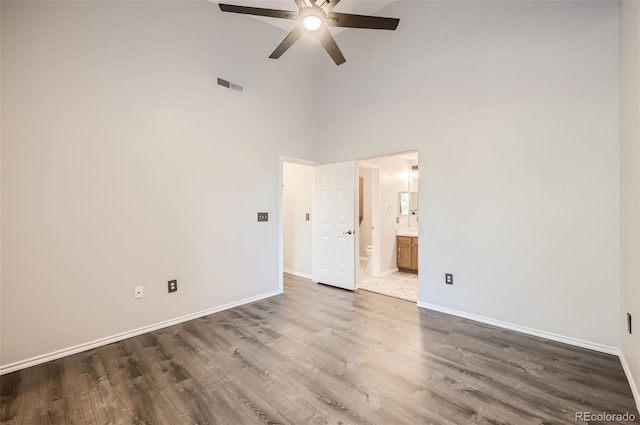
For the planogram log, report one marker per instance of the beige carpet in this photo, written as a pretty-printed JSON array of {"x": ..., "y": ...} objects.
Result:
[{"x": 399, "y": 284}]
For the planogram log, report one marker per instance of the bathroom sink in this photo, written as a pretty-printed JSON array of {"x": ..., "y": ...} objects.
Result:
[{"x": 408, "y": 232}]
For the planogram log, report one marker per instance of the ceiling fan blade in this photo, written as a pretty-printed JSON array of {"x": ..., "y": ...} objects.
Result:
[
  {"x": 330, "y": 45},
  {"x": 288, "y": 41},
  {"x": 360, "y": 21},
  {"x": 259, "y": 11}
]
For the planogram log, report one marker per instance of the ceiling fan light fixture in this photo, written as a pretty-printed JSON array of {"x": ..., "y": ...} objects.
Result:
[{"x": 311, "y": 22}]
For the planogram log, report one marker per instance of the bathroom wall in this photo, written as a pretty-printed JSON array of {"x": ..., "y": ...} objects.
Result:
[
  {"x": 365, "y": 225},
  {"x": 394, "y": 178},
  {"x": 297, "y": 197}
]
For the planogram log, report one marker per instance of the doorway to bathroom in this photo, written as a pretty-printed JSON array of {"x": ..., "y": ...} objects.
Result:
[
  {"x": 388, "y": 225},
  {"x": 385, "y": 241}
]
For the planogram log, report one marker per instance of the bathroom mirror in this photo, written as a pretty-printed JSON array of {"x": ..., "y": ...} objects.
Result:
[
  {"x": 403, "y": 199},
  {"x": 408, "y": 203}
]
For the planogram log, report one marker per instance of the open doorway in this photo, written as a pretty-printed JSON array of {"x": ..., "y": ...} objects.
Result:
[
  {"x": 388, "y": 219},
  {"x": 389, "y": 225},
  {"x": 317, "y": 205}
]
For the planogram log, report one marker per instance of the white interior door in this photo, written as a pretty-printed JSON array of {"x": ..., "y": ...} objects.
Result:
[{"x": 334, "y": 238}]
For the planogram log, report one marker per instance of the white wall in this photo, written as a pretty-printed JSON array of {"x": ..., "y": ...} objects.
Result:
[
  {"x": 513, "y": 107},
  {"x": 630, "y": 187},
  {"x": 365, "y": 226},
  {"x": 393, "y": 172},
  {"x": 123, "y": 163},
  {"x": 297, "y": 201}
]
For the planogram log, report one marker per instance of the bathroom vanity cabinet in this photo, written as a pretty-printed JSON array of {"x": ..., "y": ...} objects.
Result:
[{"x": 407, "y": 253}]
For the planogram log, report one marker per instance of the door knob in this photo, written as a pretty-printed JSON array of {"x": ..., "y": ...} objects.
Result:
[{"x": 348, "y": 232}]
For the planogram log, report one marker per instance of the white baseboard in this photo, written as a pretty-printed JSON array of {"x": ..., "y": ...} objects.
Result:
[
  {"x": 388, "y": 272},
  {"x": 295, "y": 273},
  {"x": 530, "y": 331},
  {"x": 23, "y": 364},
  {"x": 632, "y": 383}
]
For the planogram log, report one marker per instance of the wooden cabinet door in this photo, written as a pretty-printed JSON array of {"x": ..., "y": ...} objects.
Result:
[
  {"x": 407, "y": 253},
  {"x": 414, "y": 255},
  {"x": 404, "y": 256}
]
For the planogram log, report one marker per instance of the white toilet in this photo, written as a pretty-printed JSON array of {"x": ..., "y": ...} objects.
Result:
[{"x": 369, "y": 249}]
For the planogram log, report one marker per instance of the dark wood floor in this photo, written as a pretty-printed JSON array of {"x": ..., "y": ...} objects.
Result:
[{"x": 319, "y": 355}]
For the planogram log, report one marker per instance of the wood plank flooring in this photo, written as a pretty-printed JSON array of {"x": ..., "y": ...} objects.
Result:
[{"x": 320, "y": 355}]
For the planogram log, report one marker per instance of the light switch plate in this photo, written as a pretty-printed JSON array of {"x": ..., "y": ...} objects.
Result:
[
  {"x": 173, "y": 285},
  {"x": 448, "y": 278}
]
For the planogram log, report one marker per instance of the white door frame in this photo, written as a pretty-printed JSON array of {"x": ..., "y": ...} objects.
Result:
[
  {"x": 281, "y": 161},
  {"x": 375, "y": 217}
]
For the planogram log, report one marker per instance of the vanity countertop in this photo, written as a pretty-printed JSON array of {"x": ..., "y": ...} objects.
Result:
[{"x": 411, "y": 231}]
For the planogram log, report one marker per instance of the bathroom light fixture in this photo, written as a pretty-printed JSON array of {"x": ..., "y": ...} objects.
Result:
[{"x": 311, "y": 22}]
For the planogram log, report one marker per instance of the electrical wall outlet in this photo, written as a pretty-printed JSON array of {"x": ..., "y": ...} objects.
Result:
[
  {"x": 173, "y": 285},
  {"x": 263, "y": 216},
  {"x": 629, "y": 322},
  {"x": 448, "y": 278},
  {"x": 138, "y": 292}
]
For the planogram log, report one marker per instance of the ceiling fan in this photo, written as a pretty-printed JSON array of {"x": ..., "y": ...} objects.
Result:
[{"x": 315, "y": 17}]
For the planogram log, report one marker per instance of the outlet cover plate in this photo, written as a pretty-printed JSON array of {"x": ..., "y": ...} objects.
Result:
[
  {"x": 263, "y": 216},
  {"x": 138, "y": 292}
]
